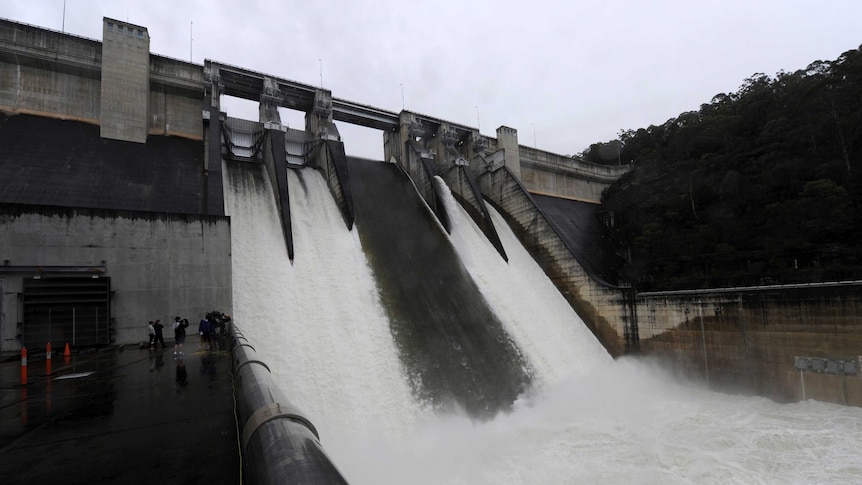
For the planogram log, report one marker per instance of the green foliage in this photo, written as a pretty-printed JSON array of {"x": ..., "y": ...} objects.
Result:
[{"x": 764, "y": 184}]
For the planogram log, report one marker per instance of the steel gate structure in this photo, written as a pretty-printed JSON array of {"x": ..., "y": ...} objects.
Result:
[{"x": 74, "y": 310}]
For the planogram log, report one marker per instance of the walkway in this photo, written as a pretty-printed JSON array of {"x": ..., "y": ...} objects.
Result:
[{"x": 119, "y": 416}]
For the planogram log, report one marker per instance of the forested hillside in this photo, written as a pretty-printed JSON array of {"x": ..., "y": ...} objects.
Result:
[{"x": 763, "y": 185}]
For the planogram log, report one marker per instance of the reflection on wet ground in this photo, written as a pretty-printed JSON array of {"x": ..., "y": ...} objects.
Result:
[{"x": 119, "y": 415}]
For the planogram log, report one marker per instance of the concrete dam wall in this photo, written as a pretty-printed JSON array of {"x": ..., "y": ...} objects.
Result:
[
  {"x": 129, "y": 188},
  {"x": 54, "y": 74},
  {"x": 158, "y": 265}
]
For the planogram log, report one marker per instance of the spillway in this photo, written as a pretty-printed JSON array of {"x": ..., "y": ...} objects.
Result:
[
  {"x": 323, "y": 326},
  {"x": 452, "y": 345},
  {"x": 317, "y": 320}
]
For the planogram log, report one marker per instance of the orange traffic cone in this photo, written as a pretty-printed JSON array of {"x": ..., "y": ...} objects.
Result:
[
  {"x": 67, "y": 354},
  {"x": 23, "y": 366}
]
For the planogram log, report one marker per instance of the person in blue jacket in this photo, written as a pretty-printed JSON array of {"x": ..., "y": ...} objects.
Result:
[{"x": 205, "y": 329}]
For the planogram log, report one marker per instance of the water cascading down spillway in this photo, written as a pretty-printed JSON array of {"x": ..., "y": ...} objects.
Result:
[
  {"x": 454, "y": 348},
  {"x": 450, "y": 345}
]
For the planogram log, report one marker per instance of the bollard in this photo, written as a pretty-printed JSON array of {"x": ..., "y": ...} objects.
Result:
[
  {"x": 23, "y": 366},
  {"x": 48, "y": 359}
]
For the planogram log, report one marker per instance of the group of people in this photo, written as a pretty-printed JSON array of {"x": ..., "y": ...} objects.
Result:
[
  {"x": 211, "y": 330},
  {"x": 155, "y": 331}
]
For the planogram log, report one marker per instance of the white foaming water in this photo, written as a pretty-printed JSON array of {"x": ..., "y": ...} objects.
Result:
[
  {"x": 317, "y": 322},
  {"x": 588, "y": 420},
  {"x": 552, "y": 336}
]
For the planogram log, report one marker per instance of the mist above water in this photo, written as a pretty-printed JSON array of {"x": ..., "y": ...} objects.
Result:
[
  {"x": 319, "y": 325},
  {"x": 625, "y": 423}
]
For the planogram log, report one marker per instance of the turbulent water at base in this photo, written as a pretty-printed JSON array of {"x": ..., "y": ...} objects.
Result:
[{"x": 588, "y": 419}]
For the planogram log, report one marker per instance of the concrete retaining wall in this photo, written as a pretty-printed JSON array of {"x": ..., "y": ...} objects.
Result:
[
  {"x": 746, "y": 339},
  {"x": 551, "y": 174},
  {"x": 161, "y": 265}
]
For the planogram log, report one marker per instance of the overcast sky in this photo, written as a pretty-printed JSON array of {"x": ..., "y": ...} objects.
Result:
[{"x": 565, "y": 74}]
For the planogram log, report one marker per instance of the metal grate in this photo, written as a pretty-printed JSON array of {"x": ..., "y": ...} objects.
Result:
[{"x": 60, "y": 310}]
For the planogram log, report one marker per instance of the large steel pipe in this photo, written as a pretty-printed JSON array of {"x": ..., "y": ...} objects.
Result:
[{"x": 278, "y": 443}]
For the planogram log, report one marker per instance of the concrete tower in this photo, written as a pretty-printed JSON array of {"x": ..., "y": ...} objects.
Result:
[
  {"x": 507, "y": 140},
  {"x": 125, "y": 81}
]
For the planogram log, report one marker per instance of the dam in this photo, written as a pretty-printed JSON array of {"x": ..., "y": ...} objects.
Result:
[
  {"x": 445, "y": 317},
  {"x": 585, "y": 418}
]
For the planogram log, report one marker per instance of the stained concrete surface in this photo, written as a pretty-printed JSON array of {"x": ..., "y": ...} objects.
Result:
[
  {"x": 119, "y": 416},
  {"x": 65, "y": 163},
  {"x": 590, "y": 242}
]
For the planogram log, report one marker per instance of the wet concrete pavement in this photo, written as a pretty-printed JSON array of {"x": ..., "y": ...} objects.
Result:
[{"x": 119, "y": 416}]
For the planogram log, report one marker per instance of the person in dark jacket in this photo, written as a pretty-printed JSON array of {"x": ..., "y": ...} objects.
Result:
[
  {"x": 205, "y": 329},
  {"x": 179, "y": 335},
  {"x": 159, "y": 337}
]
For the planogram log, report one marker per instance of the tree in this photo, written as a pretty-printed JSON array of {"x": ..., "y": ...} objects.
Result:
[{"x": 758, "y": 181}]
